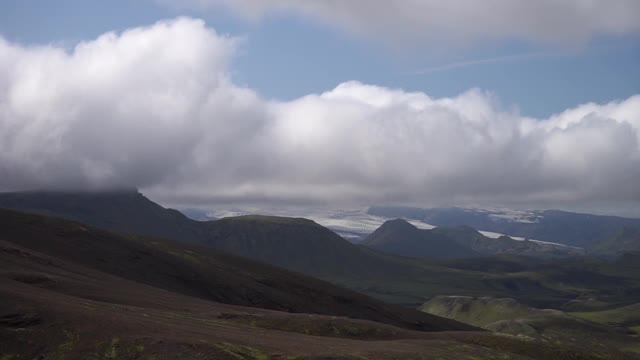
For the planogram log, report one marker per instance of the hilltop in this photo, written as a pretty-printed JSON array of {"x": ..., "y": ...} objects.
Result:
[{"x": 401, "y": 238}]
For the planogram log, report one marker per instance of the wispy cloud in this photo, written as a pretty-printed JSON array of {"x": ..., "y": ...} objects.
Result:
[
  {"x": 484, "y": 61},
  {"x": 428, "y": 22}
]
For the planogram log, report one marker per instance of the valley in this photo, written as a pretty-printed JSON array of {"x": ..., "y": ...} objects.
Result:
[{"x": 72, "y": 291}]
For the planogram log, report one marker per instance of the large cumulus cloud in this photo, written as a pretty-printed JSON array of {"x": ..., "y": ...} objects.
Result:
[
  {"x": 155, "y": 108},
  {"x": 455, "y": 21}
]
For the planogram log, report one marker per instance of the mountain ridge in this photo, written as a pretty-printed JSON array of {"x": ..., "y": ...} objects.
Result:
[
  {"x": 558, "y": 226},
  {"x": 304, "y": 249},
  {"x": 197, "y": 271}
]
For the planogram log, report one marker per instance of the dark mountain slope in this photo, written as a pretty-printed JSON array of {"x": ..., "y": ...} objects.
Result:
[
  {"x": 125, "y": 211},
  {"x": 401, "y": 238},
  {"x": 298, "y": 244},
  {"x": 196, "y": 271}
]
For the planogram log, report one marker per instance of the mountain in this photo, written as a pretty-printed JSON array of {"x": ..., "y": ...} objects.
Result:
[
  {"x": 195, "y": 271},
  {"x": 125, "y": 211},
  {"x": 504, "y": 245},
  {"x": 574, "y": 229},
  {"x": 71, "y": 291},
  {"x": 401, "y": 238},
  {"x": 293, "y": 243},
  {"x": 352, "y": 224},
  {"x": 304, "y": 246}
]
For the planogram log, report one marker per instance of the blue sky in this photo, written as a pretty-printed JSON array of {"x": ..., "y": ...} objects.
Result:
[{"x": 287, "y": 56}]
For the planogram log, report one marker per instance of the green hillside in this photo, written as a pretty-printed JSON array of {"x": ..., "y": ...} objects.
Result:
[
  {"x": 508, "y": 316},
  {"x": 626, "y": 240}
]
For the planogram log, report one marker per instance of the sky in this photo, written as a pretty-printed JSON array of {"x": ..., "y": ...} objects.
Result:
[{"x": 432, "y": 103}]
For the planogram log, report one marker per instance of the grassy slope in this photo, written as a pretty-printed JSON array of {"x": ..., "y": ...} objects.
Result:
[
  {"x": 627, "y": 240},
  {"x": 626, "y": 318},
  {"x": 593, "y": 283},
  {"x": 552, "y": 326},
  {"x": 478, "y": 311}
]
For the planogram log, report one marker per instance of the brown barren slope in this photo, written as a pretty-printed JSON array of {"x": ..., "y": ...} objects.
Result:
[{"x": 72, "y": 292}]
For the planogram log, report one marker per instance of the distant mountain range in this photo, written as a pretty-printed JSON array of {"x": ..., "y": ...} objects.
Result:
[
  {"x": 402, "y": 238},
  {"x": 293, "y": 243},
  {"x": 574, "y": 229},
  {"x": 69, "y": 290},
  {"x": 304, "y": 246},
  {"x": 352, "y": 224}
]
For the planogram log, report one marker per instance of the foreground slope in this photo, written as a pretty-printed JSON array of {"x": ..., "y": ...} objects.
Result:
[
  {"x": 72, "y": 292},
  {"x": 201, "y": 272}
]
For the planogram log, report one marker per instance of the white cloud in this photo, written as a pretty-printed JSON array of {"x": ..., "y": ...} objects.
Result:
[
  {"x": 154, "y": 107},
  {"x": 458, "y": 21}
]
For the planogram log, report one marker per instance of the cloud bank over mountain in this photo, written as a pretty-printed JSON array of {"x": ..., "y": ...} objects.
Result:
[
  {"x": 155, "y": 107},
  {"x": 463, "y": 22}
]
